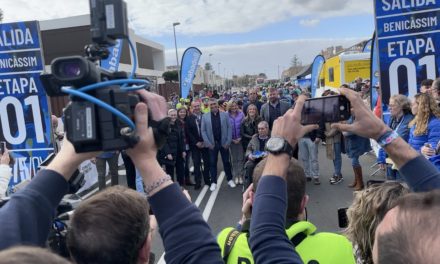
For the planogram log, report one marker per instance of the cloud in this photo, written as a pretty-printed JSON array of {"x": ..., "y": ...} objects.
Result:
[
  {"x": 309, "y": 22},
  {"x": 207, "y": 17},
  {"x": 254, "y": 58}
]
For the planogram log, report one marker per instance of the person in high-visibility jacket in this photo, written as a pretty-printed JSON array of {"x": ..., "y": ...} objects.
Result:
[{"x": 312, "y": 247}]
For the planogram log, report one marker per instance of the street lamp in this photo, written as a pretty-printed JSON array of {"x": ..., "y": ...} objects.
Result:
[
  {"x": 218, "y": 72},
  {"x": 177, "y": 56},
  {"x": 210, "y": 54}
]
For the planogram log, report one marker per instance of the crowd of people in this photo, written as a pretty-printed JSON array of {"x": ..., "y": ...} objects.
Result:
[{"x": 386, "y": 221}]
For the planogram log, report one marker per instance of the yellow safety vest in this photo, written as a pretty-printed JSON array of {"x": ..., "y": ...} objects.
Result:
[{"x": 322, "y": 247}]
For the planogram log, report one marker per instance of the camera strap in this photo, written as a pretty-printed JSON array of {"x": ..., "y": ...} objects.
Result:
[{"x": 231, "y": 238}]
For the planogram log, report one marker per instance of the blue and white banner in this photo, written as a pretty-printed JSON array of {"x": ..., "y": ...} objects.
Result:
[
  {"x": 408, "y": 39},
  {"x": 368, "y": 46},
  {"x": 190, "y": 60},
  {"x": 24, "y": 109},
  {"x": 112, "y": 62},
  {"x": 304, "y": 84},
  {"x": 317, "y": 65}
]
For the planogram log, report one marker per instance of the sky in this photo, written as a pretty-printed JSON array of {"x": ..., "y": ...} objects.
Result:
[{"x": 244, "y": 37}]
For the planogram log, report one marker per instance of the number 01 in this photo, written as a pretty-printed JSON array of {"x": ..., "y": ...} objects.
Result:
[
  {"x": 20, "y": 136},
  {"x": 411, "y": 70}
]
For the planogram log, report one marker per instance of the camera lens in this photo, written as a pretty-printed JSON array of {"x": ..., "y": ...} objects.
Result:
[{"x": 70, "y": 69}]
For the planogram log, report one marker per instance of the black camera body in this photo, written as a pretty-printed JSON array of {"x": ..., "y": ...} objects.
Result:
[{"x": 90, "y": 127}]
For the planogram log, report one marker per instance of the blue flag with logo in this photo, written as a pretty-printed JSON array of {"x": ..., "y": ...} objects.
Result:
[
  {"x": 112, "y": 62},
  {"x": 190, "y": 60},
  {"x": 316, "y": 71},
  {"x": 368, "y": 46}
]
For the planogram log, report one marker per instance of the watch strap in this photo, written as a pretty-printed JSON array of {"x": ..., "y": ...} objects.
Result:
[{"x": 387, "y": 138}]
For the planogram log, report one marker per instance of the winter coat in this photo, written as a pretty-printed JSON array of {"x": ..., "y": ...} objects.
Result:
[
  {"x": 432, "y": 135},
  {"x": 248, "y": 129},
  {"x": 236, "y": 124},
  {"x": 175, "y": 143}
]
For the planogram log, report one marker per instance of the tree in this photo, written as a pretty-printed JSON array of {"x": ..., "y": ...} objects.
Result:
[
  {"x": 170, "y": 76},
  {"x": 262, "y": 75},
  {"x": 295, "y": 62},
  {"x": 208, "y": 66},
  {"x": 1, "y": 15}
]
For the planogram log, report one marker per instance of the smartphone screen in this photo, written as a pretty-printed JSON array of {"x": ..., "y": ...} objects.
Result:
[
  {"x": 342, "y": 217},
  {"x": 326, "y": 109}
]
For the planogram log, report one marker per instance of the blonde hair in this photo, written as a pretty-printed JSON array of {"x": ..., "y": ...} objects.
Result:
[
  {"x": 403, "y": 102},
  {"x": 367, "y": 211},
  {"x": 230, "y": 103},
  {"x": 247, "y": 112},
  {"x": 427, "y": 106}
]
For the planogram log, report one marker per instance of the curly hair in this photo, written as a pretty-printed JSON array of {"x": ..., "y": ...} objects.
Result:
[
  {"x": 427, "y": 107},
  {"x": 367, "y": 211}
]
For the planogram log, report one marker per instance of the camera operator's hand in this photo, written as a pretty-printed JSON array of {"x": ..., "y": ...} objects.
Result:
[
  {"x": 67, "y": 160},
  {"x": 157, "y": 106},
  {"x": 145, "y": 149},
  {"x": 144, "y": 152},
  {"x": 366, "y": 124},
  {"x": 5, "y": 159},
  {"x": 290, "y": 128}
]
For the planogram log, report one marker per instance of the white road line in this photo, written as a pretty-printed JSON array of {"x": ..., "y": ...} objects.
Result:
[
  {"x": 201, "y": 195},
  {"x": 211, "y": 201},
  {"x": 208, "y": 207}
]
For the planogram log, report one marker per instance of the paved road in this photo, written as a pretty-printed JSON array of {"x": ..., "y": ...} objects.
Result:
[{"x": 324, "y": 201}]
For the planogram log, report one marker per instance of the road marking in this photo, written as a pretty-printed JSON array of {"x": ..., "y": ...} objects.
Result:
[
  {"x": 211, "y": 201},
  {"x": 208, "y": 207},
  {"x": 201, "y": 195}
]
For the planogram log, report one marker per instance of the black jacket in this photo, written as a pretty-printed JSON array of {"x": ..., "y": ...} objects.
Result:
[
  {"x": 175, "y": 144},
  {"x": 248, "y": 129},
  {"x": 193, "y": 133}
]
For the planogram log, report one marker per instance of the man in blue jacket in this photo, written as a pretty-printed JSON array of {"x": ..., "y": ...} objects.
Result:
[{"x": 217, "y": 136}]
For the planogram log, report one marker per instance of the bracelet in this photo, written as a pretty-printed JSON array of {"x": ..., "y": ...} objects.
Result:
[
  {"x": 387, "y": 138},
  {"x": 156, "y": 184}
]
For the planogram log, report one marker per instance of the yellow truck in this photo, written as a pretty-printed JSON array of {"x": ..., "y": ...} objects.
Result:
[{"x": 344, "y": 68}]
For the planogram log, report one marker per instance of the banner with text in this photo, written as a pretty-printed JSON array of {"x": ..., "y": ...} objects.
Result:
[
  {"x": 112, "y": 62},
  {"x": 317, "y": 65},
  {"x": 190, "y": 60},
  {"x": 408, "y": 37},
  {"x": 24, "y": 109}
]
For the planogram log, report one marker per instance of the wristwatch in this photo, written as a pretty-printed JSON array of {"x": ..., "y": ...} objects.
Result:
[
  {"x": 387, "y": 138},
  {"x": 278, "y": 145}
]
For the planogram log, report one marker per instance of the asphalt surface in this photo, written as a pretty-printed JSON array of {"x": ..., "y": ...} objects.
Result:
[{"x": 325, "y": 199}]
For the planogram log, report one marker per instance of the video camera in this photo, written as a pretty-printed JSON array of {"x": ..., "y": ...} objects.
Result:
[{"x": 100, "y": 112}]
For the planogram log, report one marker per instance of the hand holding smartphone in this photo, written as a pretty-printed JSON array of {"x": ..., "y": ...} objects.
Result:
[{"x": 328, "y": 109}]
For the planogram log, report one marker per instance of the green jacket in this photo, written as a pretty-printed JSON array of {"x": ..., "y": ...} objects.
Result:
[{"x": 322, "y": 247}]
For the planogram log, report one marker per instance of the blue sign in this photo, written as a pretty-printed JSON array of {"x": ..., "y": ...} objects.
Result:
[
  {"x": 317, "y": 65},
  {"x": 408, "y": 39},
  {"x": 25, "y": 119},
  {"x": 112, "y": 62},
  {"x": 190, "y": 60}
]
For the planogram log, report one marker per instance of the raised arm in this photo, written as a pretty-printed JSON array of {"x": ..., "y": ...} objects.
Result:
[
  {"x": 420, "y": 174},
  {"x": 187, "y": 238}
]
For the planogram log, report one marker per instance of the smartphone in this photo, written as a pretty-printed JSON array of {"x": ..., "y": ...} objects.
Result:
[
  {"x": 330, "y": 109},
  {"x": 342, "y": 217},
  {"x": 2, "y": 147}
]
